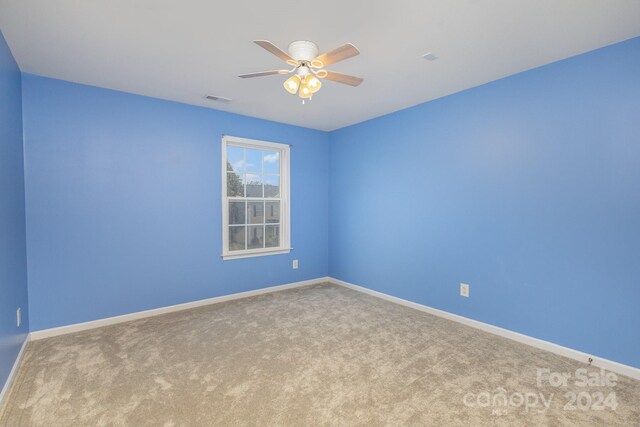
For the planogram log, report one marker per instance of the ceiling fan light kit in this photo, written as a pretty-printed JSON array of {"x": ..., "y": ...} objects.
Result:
[{"x": 308, "y": 67}]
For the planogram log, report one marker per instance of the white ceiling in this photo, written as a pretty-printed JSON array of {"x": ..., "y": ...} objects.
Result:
[{"x": 183, "y": 49}]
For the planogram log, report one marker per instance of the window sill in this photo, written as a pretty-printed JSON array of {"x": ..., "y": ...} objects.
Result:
[{"x": 262, "y": 252}]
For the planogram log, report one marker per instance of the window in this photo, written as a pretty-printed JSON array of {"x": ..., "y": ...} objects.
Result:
[{"x": 255, "y": 198}]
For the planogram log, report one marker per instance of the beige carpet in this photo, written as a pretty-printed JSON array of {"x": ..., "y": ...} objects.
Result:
[{"x": 320, "y": 355}]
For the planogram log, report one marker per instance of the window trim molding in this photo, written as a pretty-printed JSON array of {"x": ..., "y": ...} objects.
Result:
[{"x": 285, "y": 205}]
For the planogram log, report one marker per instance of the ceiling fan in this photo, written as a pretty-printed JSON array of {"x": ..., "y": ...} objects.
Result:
[{"x": 308, "y": 66}]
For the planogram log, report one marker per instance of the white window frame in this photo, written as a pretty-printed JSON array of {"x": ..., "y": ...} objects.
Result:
[{"x": 285, "y": 223}]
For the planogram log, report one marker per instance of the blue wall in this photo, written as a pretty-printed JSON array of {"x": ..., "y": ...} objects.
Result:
[
  {"x": 13, "y": 267},
  {"x": 527, "y": 188},
  {"x": 124, "y": 203}
]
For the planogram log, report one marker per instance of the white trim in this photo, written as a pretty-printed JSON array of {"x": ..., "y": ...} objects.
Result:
[
  {"x": 77, "y": 327},
  {"x": 255, "y": 143},
  {"x": 284, "y": 199},
  {"x": 598, "y": 362},
  {"x": 13, "y": 372},
  {"x": 257, "y": 252}
]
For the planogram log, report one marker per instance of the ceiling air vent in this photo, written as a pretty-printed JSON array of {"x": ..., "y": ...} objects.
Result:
[
  {"x": 429, "y": 56},
  {"x": 217, "y": 98}
]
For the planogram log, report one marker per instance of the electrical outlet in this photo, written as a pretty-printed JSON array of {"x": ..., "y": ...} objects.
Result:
[
  {"x": 464, "y": 289},
  {"x": 18, "y": 317},
  {"x": 295, "y": 264}
]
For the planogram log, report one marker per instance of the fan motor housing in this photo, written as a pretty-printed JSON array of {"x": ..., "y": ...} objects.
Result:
[{"x": 303, "y": 50}]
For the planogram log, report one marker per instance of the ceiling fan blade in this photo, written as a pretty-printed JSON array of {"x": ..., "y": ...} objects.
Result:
[
  {"x": 343, "y": 78},
  {"x": 340, "y": 54},
  {"x": 264, "y": 73},
  {"x": 267, "y": 45}
]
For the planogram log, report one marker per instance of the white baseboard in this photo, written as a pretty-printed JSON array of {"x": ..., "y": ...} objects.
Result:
[
  {"x": 12, "y": 373},
  {"x": 598, "y": 362},
  {"x": 77, "y": 327},
  {"x": 609, "y": 365}
]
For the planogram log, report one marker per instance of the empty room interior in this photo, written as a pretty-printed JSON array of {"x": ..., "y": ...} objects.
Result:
[{"x": 285, "y": 213}]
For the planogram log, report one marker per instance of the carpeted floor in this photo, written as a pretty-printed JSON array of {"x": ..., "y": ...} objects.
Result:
[{"x": 319, "y": 355}]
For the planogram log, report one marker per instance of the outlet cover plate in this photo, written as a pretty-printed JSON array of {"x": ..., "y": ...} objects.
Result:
[{"x": 464, "y": 290}]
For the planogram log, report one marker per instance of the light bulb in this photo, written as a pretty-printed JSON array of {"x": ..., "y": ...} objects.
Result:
[
  {"x": 291, "y": 84},
  {"x": 313, "y": 83},
  {"x": 304, "y": 92}
]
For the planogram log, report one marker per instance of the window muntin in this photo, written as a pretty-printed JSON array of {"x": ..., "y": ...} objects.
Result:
[{"x": 255, "y": 197}]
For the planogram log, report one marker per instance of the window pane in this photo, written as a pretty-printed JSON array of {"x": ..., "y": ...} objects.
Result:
[
  {"x": 271, "y": 186},
  {"x": 235, "y": 185},
  {"x": 271, "y": 161},
  {"x": 272, "y": 212},
  {"x": 254, "y": 185},
  {"x": 235, "y": 159},
  {"x": 236, "y": 238},
  {"x": 272, "y": 238},
  {"x": 255, "y": 212},
  {"x": 237, "y": 212},
  {"x": 255, "y": 237},
  {"x": 253, "y": 160}
]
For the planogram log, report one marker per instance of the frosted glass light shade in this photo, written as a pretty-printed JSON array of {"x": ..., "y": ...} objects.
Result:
[
  {"x": 313, "y": 83},
  {"x": 292, "y": 84},
  {"x": 304, "y": 92}
]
